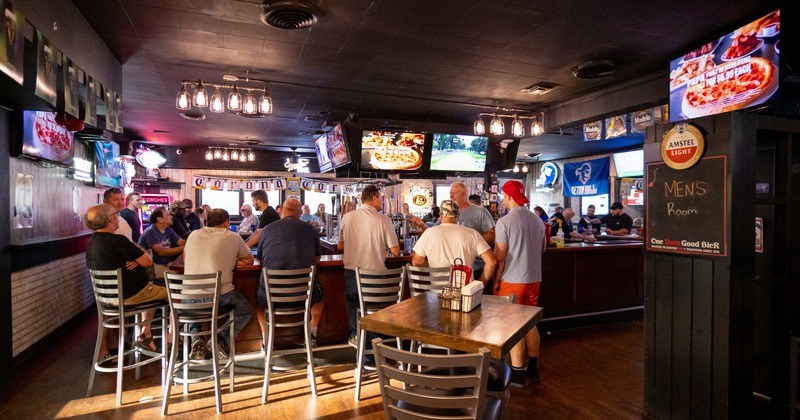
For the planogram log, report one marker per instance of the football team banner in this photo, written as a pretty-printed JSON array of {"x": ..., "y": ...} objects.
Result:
[{"x": 585, "y": 178}]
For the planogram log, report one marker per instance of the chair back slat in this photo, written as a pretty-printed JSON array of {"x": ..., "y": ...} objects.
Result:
[
  {"x": 424, "y": 279},
  {"x": 288, "y": 286},
  {"x": 184, "y": 287},
  {"x": 378, "y": 289},
  {"x": 413, "y": 394}
]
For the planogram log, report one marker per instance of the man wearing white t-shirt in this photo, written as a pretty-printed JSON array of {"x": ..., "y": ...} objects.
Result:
[{"x": 440, "y": 245}]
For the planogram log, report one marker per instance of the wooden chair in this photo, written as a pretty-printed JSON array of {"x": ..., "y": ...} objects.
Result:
[
  {"x": 376, "y": 290},
  {"x": 288, "y": 306},
  {"x": 193, "y": 300},
  {"x": 112, "y": 313},
  {"x": 408, "y": 394}
]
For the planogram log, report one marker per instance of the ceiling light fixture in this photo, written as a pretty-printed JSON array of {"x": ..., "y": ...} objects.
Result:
[
  {"x": 241, "y": 155},
  {"x": 497, "y": 126},
  {"x": 239, "y": 99}
]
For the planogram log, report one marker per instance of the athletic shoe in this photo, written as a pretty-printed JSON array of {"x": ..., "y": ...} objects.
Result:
[
  {"x": 517, "y": 377},
  {"x": 222, "y": 353},
  {"x": 199, "y": 350},
  {"x": 353, "y": 342}
]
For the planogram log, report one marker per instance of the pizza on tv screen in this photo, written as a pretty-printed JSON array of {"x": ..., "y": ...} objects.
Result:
[
  {"x": 459, "y": 153},
  {"x": 391, "y": 150},
  {"x": 736, "y": 71},
  {"x": 43, "y": 137}
]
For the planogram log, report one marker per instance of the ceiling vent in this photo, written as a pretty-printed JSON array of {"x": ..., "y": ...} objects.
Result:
[
  {"x": 288, "y": 15},
  {"x": 540, "y": 88},
  {"x": 194, "y": 116},
  {"x": 595, "y": 69}
]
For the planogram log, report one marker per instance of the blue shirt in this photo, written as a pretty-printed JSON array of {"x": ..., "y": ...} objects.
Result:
[{"x": 167, "y": 239}]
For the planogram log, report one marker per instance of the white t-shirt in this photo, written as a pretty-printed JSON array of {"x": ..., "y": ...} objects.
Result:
[
  {"x": 124, "y": 229},
  {"x": 367, "y": 235},
  {"x": 444, "y": 243},
  {"x": 213, "y": 249},
  {"x": 247, "y": 223}
]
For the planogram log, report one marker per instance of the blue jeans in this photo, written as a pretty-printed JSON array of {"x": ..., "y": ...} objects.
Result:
[
  {"x": 351, "y": 299},
  {"x": 242, "y": 313}
]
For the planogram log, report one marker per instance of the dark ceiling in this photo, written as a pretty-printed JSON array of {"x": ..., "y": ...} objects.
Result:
[{"x": 440, "y": 61}]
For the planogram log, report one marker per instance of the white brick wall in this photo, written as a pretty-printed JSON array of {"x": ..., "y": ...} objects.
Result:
[{"x": 45, "y": 297}]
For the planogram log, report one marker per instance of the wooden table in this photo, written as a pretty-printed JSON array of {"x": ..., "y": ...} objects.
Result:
[{"x": 495, "y": 324}]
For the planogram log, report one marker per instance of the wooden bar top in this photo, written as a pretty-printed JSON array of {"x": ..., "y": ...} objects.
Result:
[{"x": 495, "y": 324}]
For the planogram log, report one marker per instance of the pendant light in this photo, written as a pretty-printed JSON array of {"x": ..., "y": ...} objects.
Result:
[
  {"x": 225, "y": 155},
  {"x": 496, "y": 126},
  {"x": 479, "y": 127},
  {"x": 250, "y": 107},
  {"x": 517, "y": 129},
  {"x": 200, "y": 98},
  {"x": 217, "y": 104},
  {"x": 235, "y": 99},
  {"x": 183, "y": 102},
  {"x": 250, "y": 155},
  {"x": 265, "y": 103},
  {"x": 209, "y": 155},
  {"x": 235, "y": 155},
  {"x": 217, "y": 154}
]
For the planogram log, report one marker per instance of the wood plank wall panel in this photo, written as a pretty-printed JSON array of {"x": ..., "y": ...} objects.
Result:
[
  {"x": 662, "y": 331},
  {"x": 682, "y": 333},
  {"x": 701, "y": 330},
  {"x": 53, "y": 215}
]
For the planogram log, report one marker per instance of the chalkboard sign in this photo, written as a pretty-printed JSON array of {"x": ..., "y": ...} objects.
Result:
[{"x": 686, "y": 209}]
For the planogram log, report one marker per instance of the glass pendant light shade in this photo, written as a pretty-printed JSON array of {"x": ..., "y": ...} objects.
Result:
[
  {"x": 250, "y": 106},
  {"x": 516, "y": 168},
  {"x": 251, "y": 156},
  {"x": 536, "y": 128},
  {"x": 200, "y": 98},
  {"x": 235, "y": 99},
  {"x": 525, "y": 168},
  {"x": 517, "y": 130},
  {"x": 209, "y": 155},
  {"x": 242, "y": 156},
  {"x": 183, "y": 101},
  {"x": 234, "y": 154},
  {"x": 216, "y": 104},
  {"x": 265, "y": 103},
  {"x": 497, "y": 127},
  {"x": 479, "y": 128},
  {"x": 217, "y": 154},
  {"x": 225, "y": 155}
]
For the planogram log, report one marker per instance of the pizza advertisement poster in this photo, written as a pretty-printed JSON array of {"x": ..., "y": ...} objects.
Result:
[
  {"x": 391, "y": 150},
  {"x": 736, "y": 71}
]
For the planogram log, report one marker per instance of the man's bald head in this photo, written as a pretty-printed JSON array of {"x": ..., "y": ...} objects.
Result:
[
  {"x": 291, "y": 207},
  {"x": 568, "y": 213},
  {"x": 99, "y": 216}
]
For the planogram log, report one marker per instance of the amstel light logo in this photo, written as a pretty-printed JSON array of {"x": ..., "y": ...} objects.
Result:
[{"x": 682, "y": 146}]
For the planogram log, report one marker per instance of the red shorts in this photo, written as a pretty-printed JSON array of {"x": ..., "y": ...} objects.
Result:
[{"x": 527, "y": 294}]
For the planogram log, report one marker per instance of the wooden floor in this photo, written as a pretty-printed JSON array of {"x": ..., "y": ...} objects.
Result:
[{"x": 587, "y": 373}]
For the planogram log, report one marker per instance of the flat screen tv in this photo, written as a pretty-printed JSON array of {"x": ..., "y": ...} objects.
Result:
[
  {"x": 321, "y": 148},
  {"x": 736, "y": 71},
  {"x": 336, "y": 143},
  {"x": 629, "y": 164},
  {"x": 44, "y": 139},
  {"x": 107, "y": 164},
  {"x": 458, "y": 153},
  {"x": 391, "y": 150}
]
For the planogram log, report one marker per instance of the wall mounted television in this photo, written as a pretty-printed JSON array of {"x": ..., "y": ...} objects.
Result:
[
  {"x": 336, "y": 143},
  {"x": 323, "y": 158},
  {"x": 629, "y": 164},
  {"x": 391, "y": 150},
  {"x": 44, "y": 139},
  {"x": 736, "y": 71},
  {"x": 458, "y": 153},
  {"x": 107, "y": 164}
]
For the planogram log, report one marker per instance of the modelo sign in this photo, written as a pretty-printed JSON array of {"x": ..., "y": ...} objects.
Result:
[{"x": 682, "y": 146}]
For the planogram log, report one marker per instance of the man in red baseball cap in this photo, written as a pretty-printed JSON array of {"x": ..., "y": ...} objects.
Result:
[{"x": 520, "y": 241}]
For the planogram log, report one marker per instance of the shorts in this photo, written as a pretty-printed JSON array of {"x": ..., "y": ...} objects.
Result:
[
  {"x": 527, "y": 294},
  {"x": 149, "y": 293}
]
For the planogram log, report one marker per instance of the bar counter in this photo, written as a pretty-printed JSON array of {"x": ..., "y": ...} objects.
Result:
[{"x": 579, "y": 278}]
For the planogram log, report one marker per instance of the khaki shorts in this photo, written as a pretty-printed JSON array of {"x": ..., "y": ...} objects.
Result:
[{"x": 150, "y": 293}]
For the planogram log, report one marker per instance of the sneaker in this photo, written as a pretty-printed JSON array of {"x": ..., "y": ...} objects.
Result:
[
  {"x": 222, "y": 350},
  {"x": 199, "y": 350},
  {"x": 533, "y": 374},
  {"x": 517, "y": 377},
  {"x": 369, "y": 365},
  {"x": 352, "y": 341}
]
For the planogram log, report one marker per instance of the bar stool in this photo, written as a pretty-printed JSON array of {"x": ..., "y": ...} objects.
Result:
[
  {"x": 112, "y": 313},
  {"x": 427, "y": 279},
  {"x": 376, "y": 290},
  {"x": 193, "y": 300},
  {"x": 288, "y": 298}
]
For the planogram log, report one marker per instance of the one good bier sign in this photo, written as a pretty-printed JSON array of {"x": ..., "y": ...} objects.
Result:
[{"x": 686, "y": 209}]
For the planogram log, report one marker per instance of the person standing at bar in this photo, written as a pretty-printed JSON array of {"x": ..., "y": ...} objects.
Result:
[
  {"x": 617, "y": 222},
  {"x": 179, "y": 225},
  {"x": 590, "y": 223},
  {"x": 116, "y": 198},
  {"x": 192, "y": 218},
  {"x": 131, "y": 215},
  {"x": 268, "y": 215},
  {"x": 364, "y": 236},
  {"x": 519, "y": 244}
]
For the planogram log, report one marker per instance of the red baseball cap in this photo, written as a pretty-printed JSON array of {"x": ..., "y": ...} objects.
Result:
[{"x": 516, "y": 190}]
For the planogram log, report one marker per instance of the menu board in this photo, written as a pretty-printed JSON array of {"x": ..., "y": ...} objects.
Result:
[
  {"x": 686, "y": 209},
  {"x": 738, "y": 70},
  {"x": 392, "y": 151}
]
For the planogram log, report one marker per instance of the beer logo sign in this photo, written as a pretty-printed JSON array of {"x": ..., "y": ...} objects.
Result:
[{"x": 682, "y": 146}]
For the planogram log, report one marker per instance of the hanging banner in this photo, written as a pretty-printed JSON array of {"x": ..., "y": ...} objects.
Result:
[
  {"x": 199, "y": 182},
  {"x": 640, "y": 120},
  {"x": 46, "y": 76},
  {"x": 279, "y": 184},
  {"x": 593, "y": 131},
  {"x": 586, "y": 178},
  {"x": 90, "y": 112},
  {"x": 295, "y": 184},
  {"x": 109, "y": 101},
  {"x": 70, "y": 77},
  {"x": 306, "y": 184},
  {"x": 615, "y": 127},
  {"x": 12, "y": 41},
  {"x": 117, "y": 112}
]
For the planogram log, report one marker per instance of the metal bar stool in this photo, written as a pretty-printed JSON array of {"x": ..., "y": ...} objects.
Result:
[
  {"x": 112, "y": 313},
  {"x": 193, "y": 300},
  {"x": 376, "y": 290},
  {"x": 288, "y": 306},
  {"x": 427, "y": 279}
]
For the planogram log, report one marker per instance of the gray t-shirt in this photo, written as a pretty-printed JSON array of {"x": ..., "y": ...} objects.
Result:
[
  {"x": 478, "y": 218},
  {"x": 523, "y": 232}
]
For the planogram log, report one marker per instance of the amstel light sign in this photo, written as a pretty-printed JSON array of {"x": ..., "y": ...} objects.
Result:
[{"x": 682, "y": 146}]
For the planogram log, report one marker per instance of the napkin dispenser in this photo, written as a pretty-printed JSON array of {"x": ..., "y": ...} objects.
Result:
[{"x": 471, "y": 296}]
